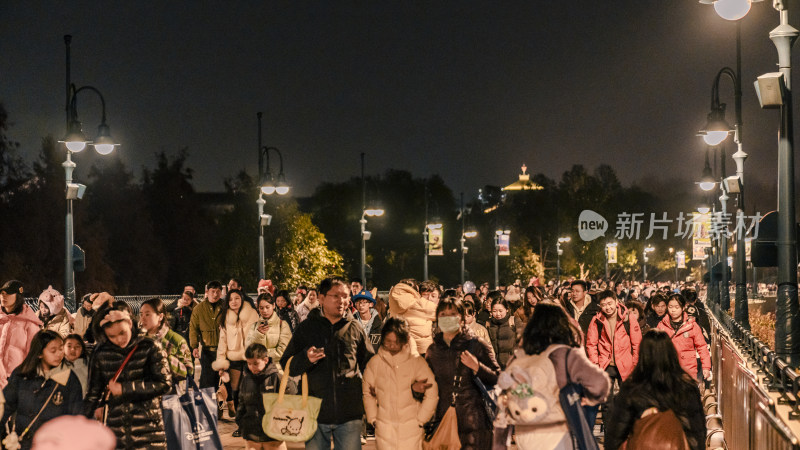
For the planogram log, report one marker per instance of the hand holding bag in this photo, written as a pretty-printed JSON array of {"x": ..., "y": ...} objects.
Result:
[
  {"x": 190, "y": 420},
  {"x": 291, "y": 418}
]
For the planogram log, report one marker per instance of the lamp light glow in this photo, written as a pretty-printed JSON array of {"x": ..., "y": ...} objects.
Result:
[
  {"x": 268, "y": 190},
  {"x": 732, "y": 9}
]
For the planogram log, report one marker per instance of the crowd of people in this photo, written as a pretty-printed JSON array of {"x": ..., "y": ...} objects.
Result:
[{"x": 394, "y": 368}]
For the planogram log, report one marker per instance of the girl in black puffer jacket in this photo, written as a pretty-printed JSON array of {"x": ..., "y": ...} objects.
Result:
[
  {"x": 502, "y": 331},
  {"x": 260, "y": 377},
  {"x": 134, "y": 398}
]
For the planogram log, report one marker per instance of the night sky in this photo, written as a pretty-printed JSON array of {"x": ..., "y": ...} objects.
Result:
[{"x": 468, "y": 90}]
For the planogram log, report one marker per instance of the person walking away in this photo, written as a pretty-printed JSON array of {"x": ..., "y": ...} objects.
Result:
[
  {"x": 204, "y": 334},
  {"x": 367, "y": 316},
  {"x": 551, "y": 332},
  {"x": 75, "y": 359},
  {"x": 131, "y": 391},
  {"x": 234, "y": 319},
  {"x": 83, "y": 318},
  {"x": 502, "y": 332},
  {"x": 400, "y": 394},
  {"x": 658, "y": 382},
  {"x": 18, "y": 325},
  {"x": 310, "y": 302},
  {"x": 261, "y": 376},
  {"x": 269, "y": 330},
  {"x": 456, "y": 357},
  {"x": 41, "y": 388},
  {"x": 152, "y": 317},
  {"x": 333, "y": 351},
  {"x": 52, "y": 313},
  {"x": 688, "y": 338},
  {"x": 405, "y": 302},
  {"x": 612, "y": 341}
]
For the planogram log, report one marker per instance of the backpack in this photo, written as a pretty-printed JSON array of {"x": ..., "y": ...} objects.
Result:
[{"x": 530, "y": 390}]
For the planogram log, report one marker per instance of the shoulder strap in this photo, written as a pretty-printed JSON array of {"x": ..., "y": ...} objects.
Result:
[
  {"x": 30, "y": 424},
  {"x": 627, "y": 325},
  {"x": 599, "y": 328}
]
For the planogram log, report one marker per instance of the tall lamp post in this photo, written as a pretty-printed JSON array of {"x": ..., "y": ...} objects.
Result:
[
  {"x": 426, "y": 236},
  {"x": 647, "y": 249},
  {"x": 559, "y": 252},
  {"x": 609, "y": 246},
  {"x": 464, "y": 235},
  {"x": 365, "y": 235},
  {"x": 269, "y": 185},
  {"x": 498, "y": 234},
  {"x": 679, "y": 256},
  {"x": 75, "y": 141}
]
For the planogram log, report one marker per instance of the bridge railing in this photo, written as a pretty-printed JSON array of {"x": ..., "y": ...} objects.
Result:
[{"x": 749, "y": 418}]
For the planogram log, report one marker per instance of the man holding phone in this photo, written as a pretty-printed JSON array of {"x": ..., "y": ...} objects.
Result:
[{"x": 332, "y": 349}]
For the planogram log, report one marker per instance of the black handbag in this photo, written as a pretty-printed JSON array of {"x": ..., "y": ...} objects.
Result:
[{"x": 570, "y": 398}]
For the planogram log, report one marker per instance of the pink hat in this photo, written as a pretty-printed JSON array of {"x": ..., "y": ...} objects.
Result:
[
  {"x": 267, "y": 284},
  {"x": 73, "y": 433},
  {"x": 53, "y": 299}
]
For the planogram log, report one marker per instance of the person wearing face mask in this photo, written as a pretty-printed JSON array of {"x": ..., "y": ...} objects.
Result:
[
  {"x": 456, "y": 357},
  {"x": 400, "y": 394},
  {"x": 40, "y": 389},
  {"x": 52, "y": 313}
]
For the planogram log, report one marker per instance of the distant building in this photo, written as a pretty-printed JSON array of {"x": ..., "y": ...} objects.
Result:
[
  {"x": 524, "y": 182},
  {"x": 493, "y": 196}
]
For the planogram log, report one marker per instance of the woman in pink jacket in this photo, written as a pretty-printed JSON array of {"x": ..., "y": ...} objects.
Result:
[
  {"x": 686, "y": 336},
  {"x": 18, "y": 325}
]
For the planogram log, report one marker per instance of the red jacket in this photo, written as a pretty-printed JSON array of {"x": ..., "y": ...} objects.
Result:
[
  {"x": 626, "y": 348},
  {"x": 688, "y": 340}
]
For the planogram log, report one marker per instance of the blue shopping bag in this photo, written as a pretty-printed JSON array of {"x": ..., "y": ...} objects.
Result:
[{"x": 190, "y": 420}]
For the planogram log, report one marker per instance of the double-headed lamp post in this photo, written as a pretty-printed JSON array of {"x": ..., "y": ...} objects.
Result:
[
  {"x": 560, "y": 252},
  {"x": 497, "y": 235},
  {"x": 75, "y": 141},
  {"x": 268, "y": 186},
  {"x": 647, "y": 249},
  {"x": 365, "y": 235}
]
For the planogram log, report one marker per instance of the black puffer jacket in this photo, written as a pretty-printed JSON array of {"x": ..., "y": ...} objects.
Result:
[
  {"x": 251, "y": 412},
  {"x": 135, "y": 416},
  {"x": 445, "y": 362},
  {"x": 179, "y": 321},
  {"x": 503, "y": 335},
  {"x": 336, "y": 378}
]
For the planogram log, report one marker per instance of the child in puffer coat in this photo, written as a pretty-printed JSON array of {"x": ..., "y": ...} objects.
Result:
[
  {"x": 405, "y": 302},
  {"x": 52, "y": 313},
  {"x": 400, "y": 391}
]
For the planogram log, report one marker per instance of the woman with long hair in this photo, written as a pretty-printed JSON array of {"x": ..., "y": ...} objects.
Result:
[
  {"x": 18, "y": 325},
  {"x": 530, "y": 299},
  {"x": 687, "y": 336},
  {"x": 234, "y": 319},
  {"x": 41, "y": 388},
  {"x": 128, "y": 374},
  {"x": 269, "y": 330},
  {"x": 550, "y": 332},
  {"x": 153, "y": 320},
  {"x": 286, "y": 312},
  {"x": 658, "y": 381},
  {"x": 456, "y": 356}
]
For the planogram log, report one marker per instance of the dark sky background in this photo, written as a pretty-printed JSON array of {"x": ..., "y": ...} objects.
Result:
[{"x": 468, "y": 90}]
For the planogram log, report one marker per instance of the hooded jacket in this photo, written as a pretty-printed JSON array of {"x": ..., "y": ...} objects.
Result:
[
  {"x": 405, "y": 302},
  {"x": 60, "y": 323},
  {"x": 372, "y": 328},
  {"x": 60, "y": 320},
  {"x": 336, "y": 378},
  {"x": 397, "y": 415},
  {"x": 625, "y": 347},
  {"x": 135, "y": 416},
  {"x": 26, "y": 396},
  {"x": 689, "y": 342},
  {"x": 276, "y": 338},
  {"x": 16, "y": 334},
  {"x": 304, "y": 308},
  {"x": 232, "y": 336}
]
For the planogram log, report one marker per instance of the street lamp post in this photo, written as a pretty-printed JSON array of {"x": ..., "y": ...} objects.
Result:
[
  {"x": 559, "y": 252},
  {"x": 365, "y": 235},
  {"x": 497, "y": 235},
  {"x": 647, "y": 249},
  {"x": 75, "y": 141},
  {"x": 609, "y": 245},
  {"x": 268, "y": 186}
]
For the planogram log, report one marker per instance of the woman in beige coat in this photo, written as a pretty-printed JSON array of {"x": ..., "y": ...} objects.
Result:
[
  {"x": 400, "y": 393},
  {"x": 419, "y": 312},
  {"x": 234, "y": 319},
  {"x": 269, "y": 330}
]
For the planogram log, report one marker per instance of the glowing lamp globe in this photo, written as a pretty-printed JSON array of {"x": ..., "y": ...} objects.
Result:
[{"x": 732, "y": 9}]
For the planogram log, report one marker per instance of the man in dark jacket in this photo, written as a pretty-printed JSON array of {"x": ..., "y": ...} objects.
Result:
[
  {"x": 333, "y": 351},
  {"x": 204, "y": 333},
  {"x": 581, "y": 307}
]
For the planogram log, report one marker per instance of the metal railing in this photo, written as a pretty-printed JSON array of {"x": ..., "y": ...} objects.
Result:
[
  {"x": 749, "y": 418},
  {"x": 134, "y": 301}
]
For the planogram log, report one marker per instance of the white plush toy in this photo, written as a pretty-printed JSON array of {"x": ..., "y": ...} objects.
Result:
[{"x": 523, "y": 405}]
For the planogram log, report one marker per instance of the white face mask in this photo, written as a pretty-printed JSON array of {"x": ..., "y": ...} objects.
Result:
[{"x": 449, "y": 324}]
